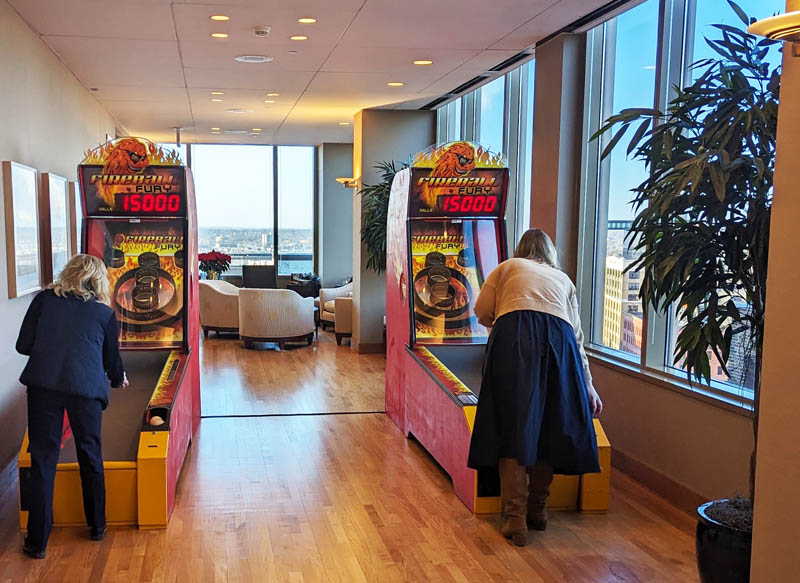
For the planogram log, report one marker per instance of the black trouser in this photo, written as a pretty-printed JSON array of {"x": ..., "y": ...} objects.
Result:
[{"x": 45, "y": 422}]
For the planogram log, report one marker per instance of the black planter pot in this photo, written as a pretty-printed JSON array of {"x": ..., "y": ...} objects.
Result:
[{"x": 723, "y": 552}]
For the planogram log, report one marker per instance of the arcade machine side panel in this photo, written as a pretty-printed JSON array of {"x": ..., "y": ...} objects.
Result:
[
  {"x": 192, "y": 381},
  {"x": 397, "y": 308}
]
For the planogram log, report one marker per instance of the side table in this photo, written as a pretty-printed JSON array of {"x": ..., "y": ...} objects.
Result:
[{"x": 307, "y": 290}]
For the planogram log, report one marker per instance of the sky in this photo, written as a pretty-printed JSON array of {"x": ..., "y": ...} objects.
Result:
[
  {"x": 234, "y": 183},
  {"x": 634, "y": 82},
  {"x": 493, "y": 97}
]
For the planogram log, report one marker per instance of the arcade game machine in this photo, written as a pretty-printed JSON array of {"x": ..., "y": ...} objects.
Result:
[
  {"x": 446, "y": 233},
  {"x": 139, "y": 217}
]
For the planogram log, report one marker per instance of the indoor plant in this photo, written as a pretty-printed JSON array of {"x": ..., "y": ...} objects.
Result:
[
  {"x": 374, "y": 212},
  {"x": 213, "y": 263},
  {"x": 702, "y": 231}
]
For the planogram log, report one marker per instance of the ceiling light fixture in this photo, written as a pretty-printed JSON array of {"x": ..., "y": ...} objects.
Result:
[
  {"x": 214, "y": 129},
  {"x": 256, "y": 129},
  {"x": 215, "y": 99},
  {"x": 395, "y": 83},
  {"x": 217, "y": 93},
  {"x": 423, "y": 62},
  {"x": 269, "y": 101},
  {"x": 219, "y": 17},
  {"x": 273, "y": 94},
  {"x": 292, "y": 52},
  {"x": 219, "y": 34},
  {"x": 308, "y": 20},
  {"x": 252, "y": 59},
  {"x": 298, "y": 37},
  {"x": 344, "y": 123},
  {"x": 238, "y": 110},
  {"x": 235, "y": 131}
]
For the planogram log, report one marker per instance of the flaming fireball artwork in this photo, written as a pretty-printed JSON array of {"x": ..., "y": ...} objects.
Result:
[{"x": 455, "y": 162}]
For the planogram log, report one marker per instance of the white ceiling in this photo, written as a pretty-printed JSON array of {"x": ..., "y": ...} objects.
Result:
[{"x": 152, "y": 63}]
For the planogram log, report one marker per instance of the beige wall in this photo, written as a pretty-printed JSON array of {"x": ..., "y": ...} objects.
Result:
[
  {"x": 47, "y": 120},
  {"x": 379, "y": 135},
  {"x": 775, "y": 549},
  {"x": 335, "y": 214}
]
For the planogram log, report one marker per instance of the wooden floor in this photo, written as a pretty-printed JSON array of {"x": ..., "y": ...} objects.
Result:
[
  {"x": 346, "y": 498},
  {"x": 322, "y": 378}
]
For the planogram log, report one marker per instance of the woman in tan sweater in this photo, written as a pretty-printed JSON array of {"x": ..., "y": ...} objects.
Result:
[{"x": 536, "y": 402}]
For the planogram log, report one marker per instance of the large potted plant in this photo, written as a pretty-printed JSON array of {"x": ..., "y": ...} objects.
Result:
[
  {"x": 702, "y": 234},
  {"x": 375, "y": 208}
]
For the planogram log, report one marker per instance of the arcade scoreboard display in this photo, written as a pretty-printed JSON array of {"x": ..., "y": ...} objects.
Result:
[
  {"x": 139, "y": 217},
  {"x": 446, "y": 232}
]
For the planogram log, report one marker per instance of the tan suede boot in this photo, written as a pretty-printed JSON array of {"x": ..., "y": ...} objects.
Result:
[
  {"x": 513, "y": 488},
  {"x": 540, "y": 476}
]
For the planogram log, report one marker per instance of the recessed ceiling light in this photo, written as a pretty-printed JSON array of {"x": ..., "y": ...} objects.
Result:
[
  {"x": 256, "y": 129},
  {"x": 219, "y": 34},
  {"x": 273, "y": 94},
  {"x": 423, "y": 62},
  {"x": 214, "y": 129},
  {"x": 344, "y": 123},
  {"x": 253, "y": 59},
  {"x": 217, "y": 93},
  {"x": 298, "y": 37},
  {"x": 238, "y": 110},
  {"x": 235, "y": 131},
  {"x": 216, "y": 133},
  {"x": 269, "y": 101},
  {"x": 308, "y": 20},
  {"x": 292, "y": 52},
  {"x": 215, "y": 99},
  {"x": 94, "y": 88},
  {"x": 254, "y": 134},
  {"x": 395, "y": 83},
  {"x": 219, "y": 17}
]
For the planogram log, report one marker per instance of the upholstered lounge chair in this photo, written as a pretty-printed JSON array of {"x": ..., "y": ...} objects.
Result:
[
  {"x": 275, "y": 315},
  {"x": 336, "y": 309},
  {"x": 219, "y": 306}
]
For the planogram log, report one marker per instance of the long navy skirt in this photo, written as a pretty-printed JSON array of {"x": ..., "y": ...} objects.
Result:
[{"x": 533, "y": 403}]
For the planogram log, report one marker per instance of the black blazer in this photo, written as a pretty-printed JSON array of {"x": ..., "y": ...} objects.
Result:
[{"x": 72, "y": 345}]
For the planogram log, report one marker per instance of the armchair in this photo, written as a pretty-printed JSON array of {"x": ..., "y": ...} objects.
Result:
[
  {"x": 336, "y": 309},
  {"x": 219, "y": 306},
  {"x": 275, "y": 315}
]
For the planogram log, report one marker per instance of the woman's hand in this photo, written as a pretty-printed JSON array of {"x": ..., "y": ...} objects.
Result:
[
  {"x": 125, "y": 384},
  {"x": 595, "y": 403}
]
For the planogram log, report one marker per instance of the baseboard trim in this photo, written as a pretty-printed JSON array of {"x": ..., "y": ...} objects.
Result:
[
  {"x": 679, "y": 495},
  {"x": 367, "y": 347}
]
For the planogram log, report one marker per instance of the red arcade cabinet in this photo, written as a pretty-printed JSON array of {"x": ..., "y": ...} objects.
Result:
[
  {"x": 140, "y": 218},
  {"x": 445, "y": 234}
]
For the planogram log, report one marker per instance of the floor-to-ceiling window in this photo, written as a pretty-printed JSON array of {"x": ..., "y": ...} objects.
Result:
[
  {"x": 636, "y": 60},
  {"x": 235, "y": 210},
  {"x": 295, "y": 209},
  {"x": 491, "y": 115}
]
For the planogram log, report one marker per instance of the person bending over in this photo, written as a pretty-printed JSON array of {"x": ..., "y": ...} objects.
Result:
[
  {"x": 70, "y": 335},
  {"x": 536, "y": 403}
]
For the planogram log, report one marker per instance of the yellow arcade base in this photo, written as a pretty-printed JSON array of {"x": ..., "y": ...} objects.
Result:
[
  {"x": 136, "y": 492},
  {"x": 587, "y": 492}
]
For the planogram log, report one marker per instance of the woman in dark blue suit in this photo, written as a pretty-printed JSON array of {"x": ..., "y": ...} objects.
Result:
[{"x": 70, "y": 335}]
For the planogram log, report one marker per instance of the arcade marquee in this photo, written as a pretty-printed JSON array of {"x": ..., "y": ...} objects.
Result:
[{"x": 446, "y": 232}]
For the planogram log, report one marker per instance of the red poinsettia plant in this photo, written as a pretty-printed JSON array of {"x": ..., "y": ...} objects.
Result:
[{"x": 214, "y": 261}]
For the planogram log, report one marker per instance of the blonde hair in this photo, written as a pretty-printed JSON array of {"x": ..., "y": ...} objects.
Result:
[
  {"x": 536, "y": 245},
  {"x": 85, "y": 277}
]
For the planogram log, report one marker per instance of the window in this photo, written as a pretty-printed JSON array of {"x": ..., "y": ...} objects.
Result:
[
  {"x": 234, "y": 191},
  {"x": 295, "y": 209},
  {"x": 623, "y": 56},
  {"x": 526, "y": 163},
  {"x": 181, "y": 150},
  {"x": 492, "y": 115},
  {"x": 626, "y": 50}
]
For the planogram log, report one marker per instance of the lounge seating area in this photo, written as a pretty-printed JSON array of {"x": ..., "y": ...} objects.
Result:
[{"x": 280, "y": 316}]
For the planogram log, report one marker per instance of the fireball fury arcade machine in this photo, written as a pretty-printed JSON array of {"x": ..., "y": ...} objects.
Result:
[
  {"x": 446, "y": 233},
  {"x": 139, "y": 209}
]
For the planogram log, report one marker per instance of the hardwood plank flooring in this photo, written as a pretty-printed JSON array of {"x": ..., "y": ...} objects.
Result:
[
  {"x": 322, "y": 378},
  {"x": 340, "y": 498}
]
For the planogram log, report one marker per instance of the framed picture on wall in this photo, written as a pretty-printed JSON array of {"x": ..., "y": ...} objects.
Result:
[
  {"x": 75, "y": 219},
  {"x": 22, "y": 229},
  {"x": 54, "y": 224}
]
